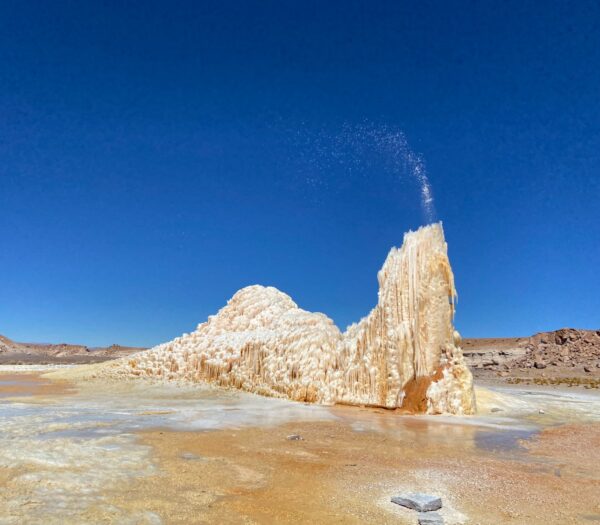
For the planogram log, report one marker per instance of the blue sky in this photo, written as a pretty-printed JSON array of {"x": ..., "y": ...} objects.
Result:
[{"x": 155, "y": 158}]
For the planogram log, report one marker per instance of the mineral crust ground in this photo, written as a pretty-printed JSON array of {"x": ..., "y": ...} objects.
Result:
[{"x": 142, "y": 452}]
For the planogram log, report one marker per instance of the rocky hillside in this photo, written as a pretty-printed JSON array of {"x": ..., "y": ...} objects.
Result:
[
  {"x": 7, "y": 346},
  {"x": 564, "y": 353},
  {"x": 567, "y": 348}
]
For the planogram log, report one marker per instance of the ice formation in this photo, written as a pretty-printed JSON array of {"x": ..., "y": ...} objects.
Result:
[{"x": 404, "y": 354}]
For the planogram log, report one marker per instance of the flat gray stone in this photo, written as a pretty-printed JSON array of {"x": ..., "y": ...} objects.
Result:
[
  {"x": 430, "y": 518},
  {"x": 418, "y": 501}
]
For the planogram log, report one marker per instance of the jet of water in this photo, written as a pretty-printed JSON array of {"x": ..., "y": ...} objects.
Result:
[
  {"x": 392, "y": 145},
  {"x": 366, "y": 147}
]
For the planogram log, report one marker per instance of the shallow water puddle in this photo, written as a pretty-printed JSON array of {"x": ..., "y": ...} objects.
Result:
[{"x": 503, "y": 440}]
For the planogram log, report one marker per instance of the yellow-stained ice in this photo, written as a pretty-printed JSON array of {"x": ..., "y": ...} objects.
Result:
[{"x": 404, "y": 354}]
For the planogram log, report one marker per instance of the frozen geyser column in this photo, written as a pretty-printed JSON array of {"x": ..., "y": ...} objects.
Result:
[{"x": 404, "y": 354}]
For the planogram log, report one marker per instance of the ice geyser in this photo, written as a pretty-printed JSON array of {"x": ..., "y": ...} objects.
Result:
[{"x": 404, "y": 354}]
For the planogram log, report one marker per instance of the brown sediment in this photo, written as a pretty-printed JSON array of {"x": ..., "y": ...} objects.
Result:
[
  {"x": 32, "y": 384},
  {"x": 338, "y": 475},
  {"x": 415, "y": 392},
  {"x": 579, "y": 449}
]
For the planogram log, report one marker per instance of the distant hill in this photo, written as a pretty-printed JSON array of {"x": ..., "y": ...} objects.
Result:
[
  {"x": 12, "y": 352},
  {"x": 8, "y": 345}
]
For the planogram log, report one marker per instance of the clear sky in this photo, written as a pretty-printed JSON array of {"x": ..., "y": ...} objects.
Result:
[{"x": 157, "y": 156}]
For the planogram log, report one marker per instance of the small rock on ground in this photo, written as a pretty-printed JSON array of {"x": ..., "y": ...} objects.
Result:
[
  {"x": 418, "y": 501},
  {"x": 430, "y": 518},
  {"x": 190, "y": 456}
]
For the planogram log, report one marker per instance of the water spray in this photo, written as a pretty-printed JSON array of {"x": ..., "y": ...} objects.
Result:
[{"x": 357, "y": 146}]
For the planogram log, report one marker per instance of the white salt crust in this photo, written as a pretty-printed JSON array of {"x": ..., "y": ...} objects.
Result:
[{"x": 404, "y": 350}]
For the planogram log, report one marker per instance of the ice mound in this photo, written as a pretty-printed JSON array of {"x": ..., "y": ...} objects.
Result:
[{"x": 404, "y": 354}]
